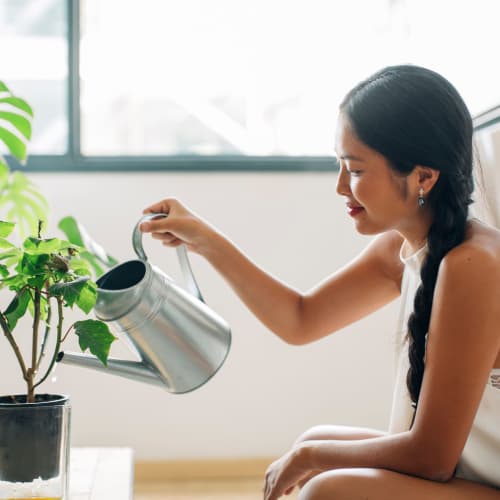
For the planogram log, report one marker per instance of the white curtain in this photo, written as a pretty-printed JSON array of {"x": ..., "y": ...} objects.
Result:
[{"x": 487, "y": 175}]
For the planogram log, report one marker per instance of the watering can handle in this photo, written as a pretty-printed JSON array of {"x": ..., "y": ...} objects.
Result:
[{"x": 187, "y": 272}]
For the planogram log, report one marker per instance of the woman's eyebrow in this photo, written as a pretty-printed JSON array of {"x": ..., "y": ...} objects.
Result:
[{"x": 349, "y": 157}]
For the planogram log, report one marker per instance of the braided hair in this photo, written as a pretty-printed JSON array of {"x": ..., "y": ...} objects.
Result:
[{"x": 413, "y": 116}]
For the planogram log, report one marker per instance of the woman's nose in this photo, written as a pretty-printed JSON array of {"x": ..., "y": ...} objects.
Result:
[{"x": 343, "y": 182}]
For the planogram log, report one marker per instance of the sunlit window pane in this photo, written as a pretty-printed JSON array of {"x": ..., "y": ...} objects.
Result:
[
  {"x": 33, "y": 64},
  {"x": 261, "y": 77}
]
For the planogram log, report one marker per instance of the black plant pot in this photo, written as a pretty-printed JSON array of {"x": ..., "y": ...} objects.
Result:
[{"x": 34, "y": 437}]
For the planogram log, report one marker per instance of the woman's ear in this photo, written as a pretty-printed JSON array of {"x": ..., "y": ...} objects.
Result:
[{"x": 426, "y": 177}]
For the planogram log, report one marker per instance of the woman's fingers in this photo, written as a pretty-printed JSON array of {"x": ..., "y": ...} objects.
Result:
[
  {"x": 180, "y": 226},
  {"x": 169, "y": 206},
  {"x": 174, "y": 243},
  {"x": 165, "y": 237},
  {"x": 155, "y": 226},
  {"x": 163, "y": 206}
]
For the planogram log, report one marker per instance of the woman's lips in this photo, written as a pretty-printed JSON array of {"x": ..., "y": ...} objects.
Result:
[{"x": 354, "y": 210}]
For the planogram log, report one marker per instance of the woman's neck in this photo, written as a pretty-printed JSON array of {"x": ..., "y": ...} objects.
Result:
[{"x": 415, "y": 234}]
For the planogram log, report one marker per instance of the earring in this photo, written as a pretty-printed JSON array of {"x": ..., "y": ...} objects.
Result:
[{"x": 421, "y": 199}]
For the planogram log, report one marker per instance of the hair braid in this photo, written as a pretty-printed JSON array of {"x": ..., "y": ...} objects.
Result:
[{"x": 446, "y": 232}]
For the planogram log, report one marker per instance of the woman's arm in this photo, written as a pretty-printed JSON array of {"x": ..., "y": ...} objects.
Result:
[
  {"x": 364, "y": 285},
  {"x": 463, "y": 343}
]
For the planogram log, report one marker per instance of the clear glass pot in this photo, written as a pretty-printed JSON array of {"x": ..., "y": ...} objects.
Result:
[{"x": 34, "y": 447}]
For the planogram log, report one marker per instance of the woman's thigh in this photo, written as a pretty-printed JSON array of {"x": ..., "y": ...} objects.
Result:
[{"x": 379, "y": 484}]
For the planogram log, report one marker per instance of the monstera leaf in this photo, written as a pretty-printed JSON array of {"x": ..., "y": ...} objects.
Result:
[
  {"x": 15, "y": 123},
  {"x": 19, "y": 198}
]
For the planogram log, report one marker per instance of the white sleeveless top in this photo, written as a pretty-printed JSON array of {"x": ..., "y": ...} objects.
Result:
[{"x": 480, "y": 459}]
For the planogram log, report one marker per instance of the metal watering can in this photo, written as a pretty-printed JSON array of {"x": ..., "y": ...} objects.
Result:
[{"x": 180, "y": 341}]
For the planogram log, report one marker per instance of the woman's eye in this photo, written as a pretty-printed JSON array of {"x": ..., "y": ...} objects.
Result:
[{"x": 355, "y": 172}]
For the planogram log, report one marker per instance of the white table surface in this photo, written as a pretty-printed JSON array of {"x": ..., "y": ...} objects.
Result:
[{"x": 101, "y": 474}]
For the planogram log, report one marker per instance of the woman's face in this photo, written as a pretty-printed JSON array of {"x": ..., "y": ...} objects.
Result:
[{"x": 376, "y": 197}]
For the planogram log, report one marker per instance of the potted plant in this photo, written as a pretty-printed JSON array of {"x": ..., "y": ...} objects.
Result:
[{"x": 44, "y": 276}]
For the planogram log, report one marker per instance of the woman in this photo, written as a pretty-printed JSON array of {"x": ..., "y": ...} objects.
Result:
[{"x": 404, "y": 144}]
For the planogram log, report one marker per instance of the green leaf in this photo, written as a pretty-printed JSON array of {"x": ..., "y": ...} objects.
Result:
[
  {"x": 19, "y": 122},
  {"x": 15, "y": 145},
  {"x": 77, "y": 234},
  {"x": 21, "y": 188},
  {"x": 18, "y": 103},
  {"x": 68, "y": 290},
  {"x": 20, "y": 181},
  {"x": 69, "y": 247},
  {"x": 4, "y": 271},
  {"x": 87, "y": 298},
  {"x": 33, "y": 265},
  {"x": 25, "y": 224},
  {"x": 69, "y": 227},
  {"x": 6, "y": 244},
  {"x": 15, "y": 282},
  {"x": 37, "y": 246},
  {"x": 26, "y": 220},
  {"x": 33, "y": 208},
  {"x": 6, "y": 228},
  {"x": 37, "y": 281},
  {"x": 38, "y": 198},
  {"x": 80, "y": 266},
  {"x": 3, "y": 87},
  {"x": 95, "y": 335},
  {"x": 13, "y": 259},
  {"x": 13, "y": 253},
  {"x": 17, "y": 308},
  {"x": 98, "y": 270},
  {"x": 4, "y": 173}
]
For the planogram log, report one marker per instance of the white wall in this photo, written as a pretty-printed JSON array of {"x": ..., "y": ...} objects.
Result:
[{"x": 292, "y": 224}]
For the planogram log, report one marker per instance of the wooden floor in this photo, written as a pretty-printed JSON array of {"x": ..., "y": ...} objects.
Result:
[{"x": 233, "y": 489}]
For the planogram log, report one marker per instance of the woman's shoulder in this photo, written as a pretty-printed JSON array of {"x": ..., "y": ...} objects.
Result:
[{"x": 480, "y": 251}]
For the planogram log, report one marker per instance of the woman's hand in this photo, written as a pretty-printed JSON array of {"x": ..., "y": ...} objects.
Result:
[
  {"x": 291, "y": 470},
  {"x": 180, "y": 227}
]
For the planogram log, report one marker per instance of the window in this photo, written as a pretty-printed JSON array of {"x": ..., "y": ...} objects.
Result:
[{"x": 222, "y": 84}]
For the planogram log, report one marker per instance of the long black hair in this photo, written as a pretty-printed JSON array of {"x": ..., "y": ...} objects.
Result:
[{"x": 414, "y": 116}]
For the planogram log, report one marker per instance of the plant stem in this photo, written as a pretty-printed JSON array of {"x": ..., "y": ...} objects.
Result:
[
  {"x": 47, "y": 332},
  {"x": 58, "y": 340},
  {"x": 36, "y": 324},
  {"x": 34, "y": 347},
  {"x": 31, "y": 387},
  {"x": 67, "y": 333},
  {"x": 13, "y": 343}
]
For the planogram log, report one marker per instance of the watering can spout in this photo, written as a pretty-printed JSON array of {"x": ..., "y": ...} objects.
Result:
[{"x": 129, "y": 369}]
